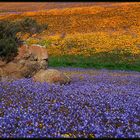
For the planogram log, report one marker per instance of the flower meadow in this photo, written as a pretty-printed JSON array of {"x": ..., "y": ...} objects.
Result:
[
  {"x": 103, "y": 35},
  {"x": 96, "y": 104},
  {"x": 89, "y": 44}
]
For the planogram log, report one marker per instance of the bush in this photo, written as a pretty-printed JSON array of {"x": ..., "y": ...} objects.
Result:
[
  {"x": 8, "y": 29},
  {"x": 9, "y": 38},
  {"x": 8, "y": 48},
  {"x": 29, "y": 25}
]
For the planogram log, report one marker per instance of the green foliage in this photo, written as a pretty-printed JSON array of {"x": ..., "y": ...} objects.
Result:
[
  {"x": 98, "y": 61},
  {"x": 29, "y": 25},
  {"x": 45, "y": 43},
  {"x": 9, "y": 41},
  {"x": 31, "y": 41},
  {"x": 8, "y": 48},
  {"x": 8, "y": 29}
]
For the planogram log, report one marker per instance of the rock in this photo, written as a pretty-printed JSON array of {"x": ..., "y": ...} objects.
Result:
[
  {"x": 41, "y": 55},
  {"x": 39, "y": 51},
  {"x": 2, "y": 63},
  {"x": 33, "y": 53},
  {"x": 22, "y": 53},
  {"x": 16, "y": 71},
  {"x": 10, "y": 71},
  {"x": 43, "y": 64},
  {"x": 51, "y": 76},
  {"x": 29, "y": 69},
  {"x": 29, "y": 61},
  {"x": 22, "y": 62}
]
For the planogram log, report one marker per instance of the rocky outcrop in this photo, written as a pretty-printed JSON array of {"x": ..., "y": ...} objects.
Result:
[
  {"x": 51, "y": 76},
  {"x": 30, "y": 59},
  {"x": 34, "y": 53},
  {"x": 32, "y": 62},
  {"x": 10, "y": 71},
  {"x": 2, "y": 63}
]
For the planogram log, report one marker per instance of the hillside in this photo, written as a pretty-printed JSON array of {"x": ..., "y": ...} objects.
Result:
[
  {"x": 108, "y": 33},
  {"x": 118, "y": 17},
  {"x": 34, "y": 6}
]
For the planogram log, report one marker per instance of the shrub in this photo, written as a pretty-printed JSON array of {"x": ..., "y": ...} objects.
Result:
[
  {"x": 31, "y": 26},
  {"x": 10, "y": 39},
  {"x": 8, "y": 29},
  {"x": 10, "y": 50}
]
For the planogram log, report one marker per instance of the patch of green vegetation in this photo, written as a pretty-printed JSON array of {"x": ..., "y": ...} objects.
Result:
[
  {"x": 45, "y": 43},
  {"x": 10, "y": 41},
  {"x": 98, "y": 61},
  {"x": 31, "y": 41},
  {"x": 4, "y": 11}
]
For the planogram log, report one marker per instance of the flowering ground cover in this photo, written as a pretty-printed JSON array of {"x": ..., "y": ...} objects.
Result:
[
  {"x": 97, "y": 103},
  {"x": 97, "y": 35}
]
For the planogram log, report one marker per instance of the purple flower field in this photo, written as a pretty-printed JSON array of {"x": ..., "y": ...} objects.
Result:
[{"x": 97, "y": 103}]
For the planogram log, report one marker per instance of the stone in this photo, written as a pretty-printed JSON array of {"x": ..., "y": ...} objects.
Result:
[
  {"x": 29, "y": 69},
  {"x": 41, "y": 55},
  {"x": 2, "y": 63},
  {"x": 39, "y": 51},
  {"x": 22, "y": 53},
  {"x": 33, "y": 53},
  {"x": 51, "y": 76},
  {"x": 14, "y": 70},
  {"x": 10, "y": 71},
  {"x": 29, "y": 61}
]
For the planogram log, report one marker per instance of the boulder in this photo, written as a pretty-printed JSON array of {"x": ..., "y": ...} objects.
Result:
[
  {"x": 39, "y": 51},
  {"x": 51, "y": 76},
  {"x": 29, "y": 69},
  {"x": 16, "y": 71},
  {"x": 30, "y": 60},
  {"x": 10, "y": 71},
  {"x": 2, "y": 63},
  {"x": 40, "y": 54},
  {"x": 33, "y": 53},
  {"x": 22, "y": 53}
]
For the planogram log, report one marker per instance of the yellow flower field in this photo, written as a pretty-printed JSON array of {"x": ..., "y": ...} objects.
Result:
[
  {"x": 109, "y": 33},
  {"x": 89, "y": 43}
]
